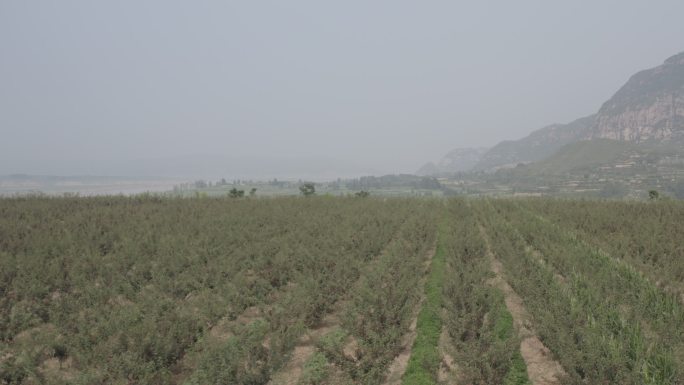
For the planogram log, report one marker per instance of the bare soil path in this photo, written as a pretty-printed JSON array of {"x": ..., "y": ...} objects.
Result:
[
  {"x": 542, "y": 368},
  {"x": 447, "y": 367},
  {"x": 306, "y": 347},
  {"x": 398, "y": 366}
]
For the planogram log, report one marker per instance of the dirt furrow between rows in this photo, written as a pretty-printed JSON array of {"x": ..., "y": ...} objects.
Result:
[
  {"x": 542, "y": 368},
  {"x": 306, "y": 347},
  {"x": 447, "y": 367}
]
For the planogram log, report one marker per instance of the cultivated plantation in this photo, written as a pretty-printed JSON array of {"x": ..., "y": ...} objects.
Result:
[{"x": 323, "y": 290}]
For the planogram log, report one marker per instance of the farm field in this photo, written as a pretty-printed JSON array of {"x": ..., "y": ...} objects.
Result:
[{"x": 340, "y": 290}]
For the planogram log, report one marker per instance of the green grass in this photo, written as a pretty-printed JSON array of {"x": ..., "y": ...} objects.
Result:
[
  {"x": 503, "y": 329},
  {"x": 315, "y": 371},
  {"x": 517, "y": 373},
  {"x": 425, "y": 358}
]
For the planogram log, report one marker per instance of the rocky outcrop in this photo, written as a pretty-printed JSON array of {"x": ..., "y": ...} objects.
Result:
[
  {"x": 663, "y": 119},
  {"x": 650, "y": 106}
]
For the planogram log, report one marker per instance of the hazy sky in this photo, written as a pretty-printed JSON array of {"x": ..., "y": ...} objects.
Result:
[{"x": 88, "y": 85}]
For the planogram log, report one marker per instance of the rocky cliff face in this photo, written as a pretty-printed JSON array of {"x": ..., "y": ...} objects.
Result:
[{"x": 650, "y": 106}]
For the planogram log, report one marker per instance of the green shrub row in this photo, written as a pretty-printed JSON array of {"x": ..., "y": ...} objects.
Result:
[
  {"x": 380, "y": 312},
  {"x": 479, "y": 325},
  {"x": 130, "y": 287},
  {"x": 425, "y": 356},
  {"x": 644, "y": 234},
  {"x": 589, "y": 310}
]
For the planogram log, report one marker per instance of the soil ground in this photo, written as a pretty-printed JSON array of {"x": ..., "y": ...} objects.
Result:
[{"x": 542, "y": 368}]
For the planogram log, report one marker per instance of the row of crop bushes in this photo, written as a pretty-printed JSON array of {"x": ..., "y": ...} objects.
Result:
[
  {"x": 604, "y": 322},
  {"x": 425, "y": 355},
  {"x": 379, "y": 310},
  {"x": 247, "y": 359},
  {"x": 617, "y": 281},
  {"x": 458, "y": 297},
  {"x": 479, "y": 325},
  {"x": 646, "y": 235},
  {"x": 123, "y": 289},
  {"x": 382, "y": 309}
]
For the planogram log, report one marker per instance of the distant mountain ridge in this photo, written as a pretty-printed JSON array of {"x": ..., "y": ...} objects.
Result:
[
  {"x": 536, "y": 146},
  {"x": 648, "y": 108},
  {"x": 457, "y": 160}
]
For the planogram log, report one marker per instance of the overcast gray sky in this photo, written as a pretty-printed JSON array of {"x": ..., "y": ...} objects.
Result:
[{"x": 96, "y": 86}]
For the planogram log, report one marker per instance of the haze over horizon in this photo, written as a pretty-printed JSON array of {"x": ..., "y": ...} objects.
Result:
[{"x": 262, "y": 89}]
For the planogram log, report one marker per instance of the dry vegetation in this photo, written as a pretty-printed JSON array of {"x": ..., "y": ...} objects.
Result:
[{"x": 321, "y": 290}]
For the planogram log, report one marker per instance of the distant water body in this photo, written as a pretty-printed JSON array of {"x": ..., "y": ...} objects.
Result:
[{"x": 84, "y": 186}]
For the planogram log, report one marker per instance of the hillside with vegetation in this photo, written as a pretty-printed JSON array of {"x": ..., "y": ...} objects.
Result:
[
  {"x": 538, "y": 145},
  {"x": 599, "y": 168}
]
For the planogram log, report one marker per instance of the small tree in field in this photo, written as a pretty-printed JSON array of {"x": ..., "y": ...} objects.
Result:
[
  {"x": 60, "y": 352},
  {"x": 307, "y": 189},
  {"x": 653, "y": 195},
  {"x": 252, "y": 192},
  {"x": 235, "y": 193}
]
